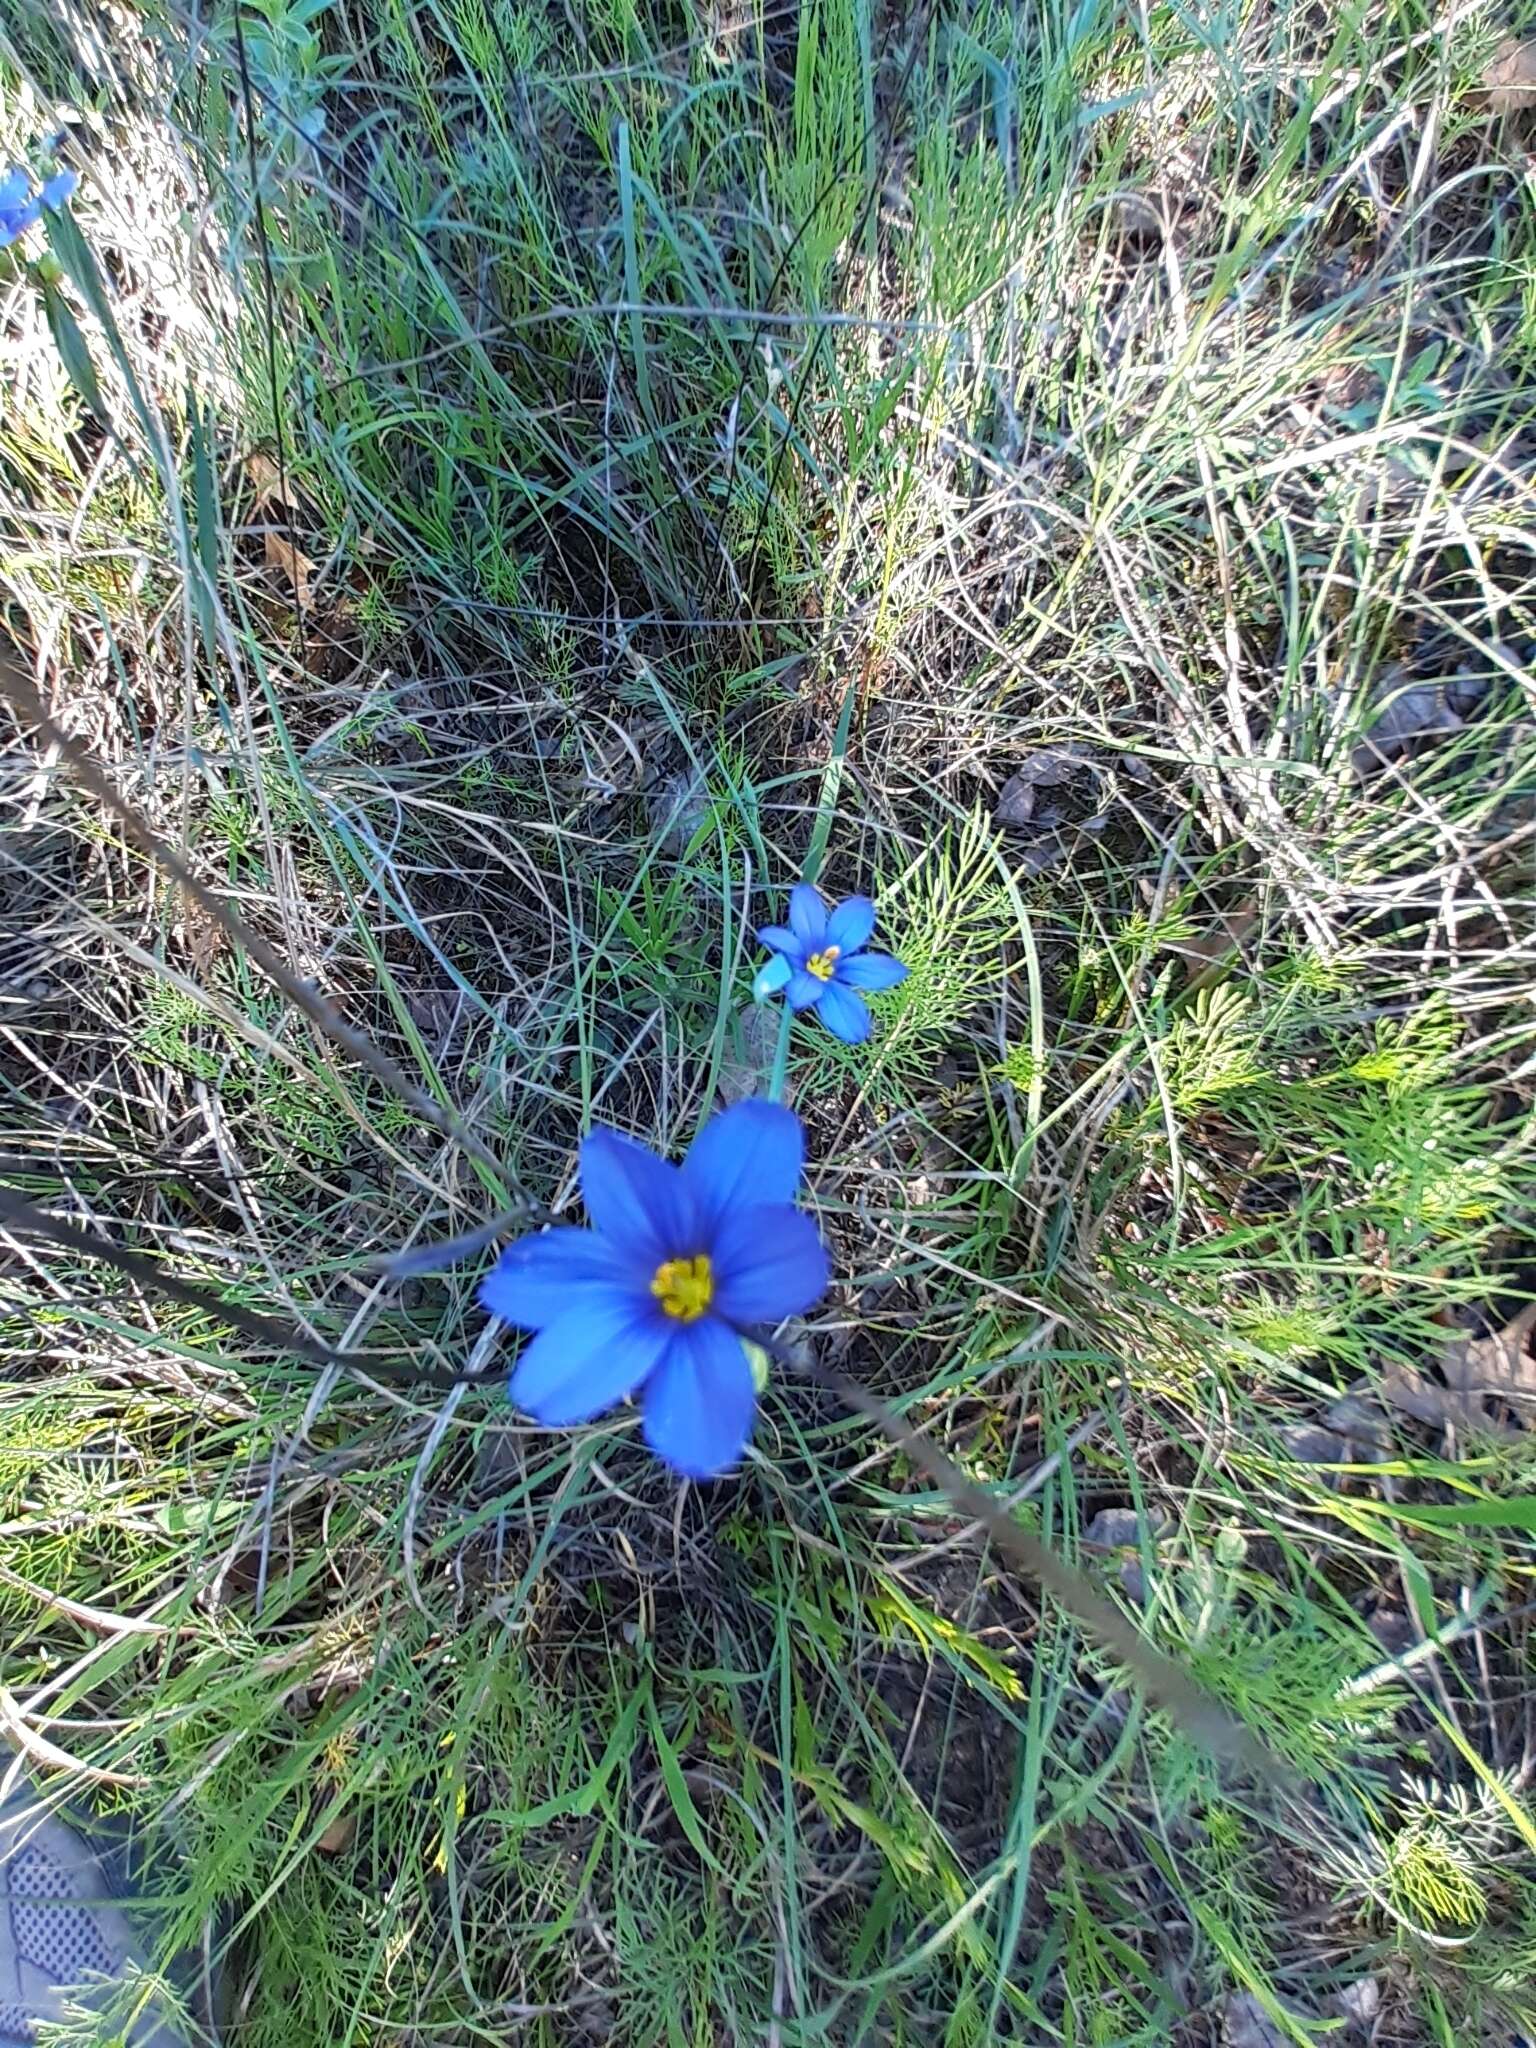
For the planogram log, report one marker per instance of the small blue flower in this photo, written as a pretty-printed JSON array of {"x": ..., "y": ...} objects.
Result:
[
  {"x": 17, "y": 211},
  {"x": 680, "y": 1262},
  {"x": 820, "y": 962},
  {"x": 20, "y": 207}
]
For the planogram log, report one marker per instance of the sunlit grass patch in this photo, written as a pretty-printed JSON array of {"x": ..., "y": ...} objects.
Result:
[{"x": 457, "y": 477}]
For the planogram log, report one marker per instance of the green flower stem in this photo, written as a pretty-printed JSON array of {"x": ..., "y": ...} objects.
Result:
[{"x": 780, "y": 1056}]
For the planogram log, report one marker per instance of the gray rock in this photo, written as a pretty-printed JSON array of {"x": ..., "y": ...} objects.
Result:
[
  {"x": 1309, "y": 1444},
  {"x": 1121, "y": 1529},
  {"x": 1466, "y": 690},
  {"x": 1134, "y": 1579},
  {"x": 1139, "y": 221},
  {"x": 1359, "y": 2003},
  {"x": 1245, "y": 2024},
  {"x": 1114, "y": 1529},
  {"x": 1394, "y": 1631},
  {"x": 1365, "y": 1429},
  {"x": 1401, "y": 712}
]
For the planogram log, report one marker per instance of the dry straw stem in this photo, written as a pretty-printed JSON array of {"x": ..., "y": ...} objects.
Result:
[{"x": 1202, "y": 1718}]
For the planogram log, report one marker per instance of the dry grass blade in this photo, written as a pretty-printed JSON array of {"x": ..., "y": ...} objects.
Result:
[
  {"x": 40, "y": 1751},
  {"x": 95, "y": 1618},
  {"x": 266, "y": 1331}
]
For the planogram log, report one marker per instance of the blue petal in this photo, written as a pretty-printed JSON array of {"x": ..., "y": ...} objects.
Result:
[
  {"x": 599, "y": 1351},
  {"x": 845, "y": 1015},
  {"x": 17, "y": 223},
  {"x": 804, "y": 989},
  {"x": 807, "y": 915},
  {"x": 700, "y": 1403},
  {"x": 771, "y": 978},
  {"x": 778, "y": 938},
  {"x": 14, "y": 187},
  {"x": 749, "y": 1154},
  {"x": 851, "y": 923},
  {"x": 532, "y": 1283},
  {"x": 638, "y": 1200},
  {"x": 768, "y": 1263},
  {"x": 58, "y": 188},
  {"x": 871, "y": 971}
]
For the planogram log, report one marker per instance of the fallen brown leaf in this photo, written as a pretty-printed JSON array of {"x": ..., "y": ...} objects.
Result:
[
  {"x": 1476, "y": 1370},
  {"x": 1427, "y": 1401},
  {"x": 1046, "y": 769},
  {"x": 337, "y": 1834},
  {"x": 297, "y": 567},
  {"x": 264, "y": 478},
  {"x": 1499, "y": 1365},
  {"x": 1201, "y": 954},
  {"x": 1509, "y": 77}
]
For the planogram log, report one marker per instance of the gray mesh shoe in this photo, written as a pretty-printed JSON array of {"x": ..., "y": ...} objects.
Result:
[{"x": 64, "y": 1943}]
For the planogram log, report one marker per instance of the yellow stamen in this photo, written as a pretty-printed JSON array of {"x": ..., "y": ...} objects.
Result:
[
  {"x": 685, "y": 1287},
  {"x": 824, "y": 964}
]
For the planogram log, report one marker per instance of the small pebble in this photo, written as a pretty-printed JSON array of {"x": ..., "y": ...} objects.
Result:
[
  {"x": 1360, "y": 2002},
  {"x": 1367, "y": 1430},
  {"x": 1311, "y": 1445}
]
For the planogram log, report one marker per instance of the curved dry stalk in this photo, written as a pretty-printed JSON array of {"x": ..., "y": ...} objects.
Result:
[
  {"x": 1166, "y": 1682},
  {"x": 27, "y": 701}
]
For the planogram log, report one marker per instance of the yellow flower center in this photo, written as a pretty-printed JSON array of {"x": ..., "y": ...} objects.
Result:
[
  {"x": 823, "y": 964},
  {"x": 684, "y": 1287}
]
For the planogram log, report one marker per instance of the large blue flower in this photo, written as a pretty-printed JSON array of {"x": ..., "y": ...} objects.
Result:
[
  {"x": 679, "y": 1262},
  {"x": 20, "y": 206},
  {"x": 820, "y": 962}
]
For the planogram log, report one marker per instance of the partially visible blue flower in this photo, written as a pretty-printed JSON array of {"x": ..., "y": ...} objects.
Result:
[
  {"x": 820, "y": 962},
  {"x": 680, "y": 1263},
  {"x": 17, "y": 210},
  {"x": 20, "y": 206}
]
